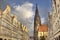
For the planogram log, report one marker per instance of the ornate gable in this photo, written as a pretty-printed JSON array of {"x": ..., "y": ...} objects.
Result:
[{"x": 7, "y": 10}]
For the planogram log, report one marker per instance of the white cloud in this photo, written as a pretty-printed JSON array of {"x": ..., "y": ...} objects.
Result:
[
  {"x": 25, "y": 10},
  {"x": 25, "y": 15},
  {"x": 42, "y": 20}
]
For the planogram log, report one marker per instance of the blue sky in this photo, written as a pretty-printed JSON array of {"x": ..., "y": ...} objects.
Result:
[
  {"x": 25, "y": 10},
  {"x": 43, "y": 5}
]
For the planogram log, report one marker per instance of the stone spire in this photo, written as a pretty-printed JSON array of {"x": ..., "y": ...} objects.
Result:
[
  {"x": 37, "y": 17},
  {"x": 37, "y": 23}
]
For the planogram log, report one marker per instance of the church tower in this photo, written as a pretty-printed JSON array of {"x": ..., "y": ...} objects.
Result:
[{"x": 37, "y": 23}]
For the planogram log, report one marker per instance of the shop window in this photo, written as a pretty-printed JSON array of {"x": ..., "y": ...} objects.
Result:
[{"x": 0, "y": 38}]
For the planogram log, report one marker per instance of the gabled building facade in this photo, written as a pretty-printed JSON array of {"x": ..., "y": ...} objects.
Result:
[
  {"x": 10, "y": 27},
  {"x": 54, "y": 21}
]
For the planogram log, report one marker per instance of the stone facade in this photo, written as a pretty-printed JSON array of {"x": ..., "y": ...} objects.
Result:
[
  {"x": 54, "y": 21},
  {"x": 10, "y": 27}
]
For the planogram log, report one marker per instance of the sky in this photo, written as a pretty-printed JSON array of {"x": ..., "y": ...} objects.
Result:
[{"x": 25, "y": 11}]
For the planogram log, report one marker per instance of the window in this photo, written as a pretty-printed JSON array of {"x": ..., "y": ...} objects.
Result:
[
  {"x": 3, "y": 23},
  {"x": 58, "y": 11},
  {"x": 0, "y": 38},
  {"x": 5, "y": 39},
  {"x": 14, "y": 22},
  {"x": 6, "y": 17},
  {"x": 58, "y": 8},
  {"x": 53, "y": 9},
  {"x": 55, "y": 2},
  {"x": 55, "y": 38},
  {"x": 59, "y": 0},
  {"x": 58, "y": 21},
  {"x": 9, "y": 39},
  {"x": 59, "y": 17},
  {"x": 59, "y": 37},
  {"x": 58, "y": 5}
]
